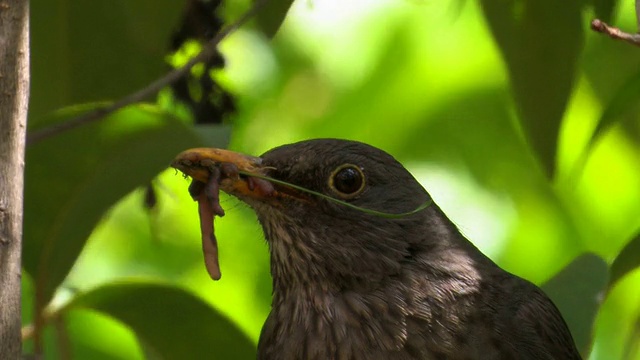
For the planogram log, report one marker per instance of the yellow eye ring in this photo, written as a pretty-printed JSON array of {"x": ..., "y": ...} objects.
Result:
[{"x": 347, "y": 181}]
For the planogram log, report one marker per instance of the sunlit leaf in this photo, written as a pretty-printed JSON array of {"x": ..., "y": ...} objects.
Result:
[
  {"x": 578, "y": 292},
  {"x": 627, "y": 260},
  {"x": 632, "y": 347},
  {"x": 81, "y": 334},
  {"x": 170, "y": 321},
  {"x": 71, "y": 179},
  {"x": 540, "y": 42}
]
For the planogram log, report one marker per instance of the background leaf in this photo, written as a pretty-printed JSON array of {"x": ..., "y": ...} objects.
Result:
[
  {"x": 271, "y": 16},
  {"x": 578, "y": 291},
  {"x": 94, "y": 50},
  {"x": 622, "y": 107},
  {"x": 604, "y": 9},
  {"x": 627, "y": 260},
  {"x": 540, "y": 41},
  {"x": 174, "y": 323}
]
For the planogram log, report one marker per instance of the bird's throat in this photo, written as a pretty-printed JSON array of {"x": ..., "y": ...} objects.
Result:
[{"x": 318, "y": 324}]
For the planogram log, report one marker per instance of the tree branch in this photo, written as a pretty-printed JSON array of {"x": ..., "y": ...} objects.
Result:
[
  {"x": 150, "y": 90},
  {"x": 615, "y": 33},
  {"x": 14, "y": 99}
]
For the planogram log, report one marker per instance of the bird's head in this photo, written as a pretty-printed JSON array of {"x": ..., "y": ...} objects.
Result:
[{"x": 316, "y": 241}]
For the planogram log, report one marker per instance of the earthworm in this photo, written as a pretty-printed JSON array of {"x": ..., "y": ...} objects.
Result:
[
  {"x": 208, "y": 206},
  {"x": 207, "y": 196}
]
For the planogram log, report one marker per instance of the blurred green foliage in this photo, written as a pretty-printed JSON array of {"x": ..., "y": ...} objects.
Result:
[{"x": 521, "y": 123}]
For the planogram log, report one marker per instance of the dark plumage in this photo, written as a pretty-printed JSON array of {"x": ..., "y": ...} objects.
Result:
[{"x": 351, "y": 285}]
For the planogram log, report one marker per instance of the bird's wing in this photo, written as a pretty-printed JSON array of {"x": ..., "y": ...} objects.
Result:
[{"x": 544, "y": 328}]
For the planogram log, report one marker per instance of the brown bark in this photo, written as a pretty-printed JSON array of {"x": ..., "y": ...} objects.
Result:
[{"x": 14, "y": 94}]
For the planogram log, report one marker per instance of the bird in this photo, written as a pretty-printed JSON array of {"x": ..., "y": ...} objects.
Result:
[{"x": 351, "y": 283}]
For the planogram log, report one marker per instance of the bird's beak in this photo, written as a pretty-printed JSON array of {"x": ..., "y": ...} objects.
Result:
[{"x": 197, "y": 163}]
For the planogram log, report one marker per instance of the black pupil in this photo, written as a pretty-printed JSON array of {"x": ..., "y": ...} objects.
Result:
[{"x": 347, "y": 180}]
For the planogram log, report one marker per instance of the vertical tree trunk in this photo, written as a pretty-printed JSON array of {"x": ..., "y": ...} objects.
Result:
[{"x": 14, "y": 94}]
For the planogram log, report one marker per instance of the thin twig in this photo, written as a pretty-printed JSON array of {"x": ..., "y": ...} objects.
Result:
[
  {"x": 62, "y": 338},
  {"x": 615, "y": 33},
  {"x": 206, "y": 53}
]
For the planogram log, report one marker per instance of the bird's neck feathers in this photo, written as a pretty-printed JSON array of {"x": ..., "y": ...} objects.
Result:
[
  {"x": 315, "y": 309},
  {"x": 317, "y": 325}
]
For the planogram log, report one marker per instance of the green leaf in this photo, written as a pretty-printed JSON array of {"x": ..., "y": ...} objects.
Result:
[
  {"x": 627, "y": 260},
  {"x": 578, "y": 292},
  {"x": 540, "y": 41},
  {"x": 217, "y": 135},
  {"x": 271, "y": 16},
  {"x": 604, "y": 9},
  {"x": 71, "y": 180},
  {"x": 95, "y": 50},
  {"x": 624, "y": 102},
  {"x": 170, "y": 321}
]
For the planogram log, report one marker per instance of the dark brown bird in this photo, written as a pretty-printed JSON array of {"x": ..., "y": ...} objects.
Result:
[{"x": 348, "y": 284}]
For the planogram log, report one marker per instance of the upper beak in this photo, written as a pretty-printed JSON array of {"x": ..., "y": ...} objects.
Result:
[{"x": 197, "y": 163}]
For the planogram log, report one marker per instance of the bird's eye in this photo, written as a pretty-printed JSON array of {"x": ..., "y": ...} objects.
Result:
[{"x": 347, "y": 181}]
